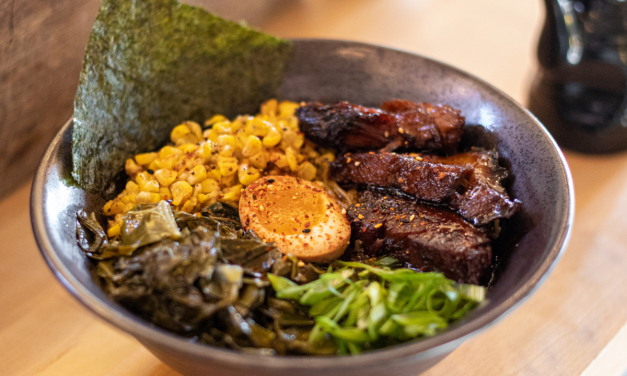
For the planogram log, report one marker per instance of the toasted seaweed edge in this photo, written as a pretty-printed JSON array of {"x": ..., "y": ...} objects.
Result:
[{"x": 150, "y": 65}]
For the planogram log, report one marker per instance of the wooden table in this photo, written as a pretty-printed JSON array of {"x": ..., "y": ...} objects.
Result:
[{"x": 571, "y": 325}]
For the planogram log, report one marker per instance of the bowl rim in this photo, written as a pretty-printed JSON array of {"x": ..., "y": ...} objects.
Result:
[{"x": 428, "y": 347}]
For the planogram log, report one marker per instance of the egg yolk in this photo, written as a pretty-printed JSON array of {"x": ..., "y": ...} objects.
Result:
[{"x": 291, "y": 211}]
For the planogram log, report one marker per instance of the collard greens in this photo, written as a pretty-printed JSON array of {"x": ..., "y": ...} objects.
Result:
[{"x": 150, "y": 65}]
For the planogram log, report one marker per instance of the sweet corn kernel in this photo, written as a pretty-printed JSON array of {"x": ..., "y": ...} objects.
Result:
[
  {"x": 128, "y": 207},
  {"x": 272, "y": 138},
  {"x": 226, "y": 152},
  {"x": 188, "y": 148},
  {"x": 128, "y": 199},
  {"x": 300, "y": 158},
  {"x": 228, "y": 181},
  {"x": 209, "y": 197},
  {"x": 258, "y": 127},
  {"x": 215, "y": 174},
  {"x": 147, "y": 198},
  {"x": 116, "y": 207},
  {"x": 131, "y": 187},
  {"x": 307, "y": 171},
  {"x": 181, "y": 191},
  {"x": 143, "y": 198},
  {"x": 279, "y": 160},
  {"x": 189, "y": 205},
  {"x": 222, "y": 128},
  {"x": 183, "y": 176},
  {"x": 287, "y": 108},
  {"x": 224, "y": 140},
  {"x": 228, "y": 166},
  {"x": 290, "y": 155},
  {"x": 151, "y": 186},
  {"x": 232, "y": 194},
  {"x": 165, "y": 193},
  {"x": 142, "y": 178},
  {"x": 292, "y": 123},
  {"x": 179, "y": 132},
  {"x": 212, "y": 135},
  {"x": 107, "y": 207},
  {"x": 252, "y": 146},
  {"x": 196, "y": 175},
  {"x": 238, "y": 123},
  {"x": 190, "y": 163},
  {"x": 259, "y": 160},
  {"x": 247, "y": 174},
  {"x": 195, "y": 128},
  {"x": 202, "y": 198},
  {"x": 145, "y": 158},
  {"x": 131, "y": 167},
  {"x": 165, "y": 177},
  {"x": 187, "y": 139},
  {"x": 114, "y": 231},
  {"x": 292, "y": 139},
  {"x": 197, "y": 190},
  {"x": 153, "y": 165},
  {"x": 167, "y": 151},
  {"x": 209, "y": 185},
  {"x": 167, "y": 163},
  {"x": 204, "y": 150},
  {"x": 329, "y": 157},
  {"x": 215, "y": 119},
  {"x": 269, "y": 108}
]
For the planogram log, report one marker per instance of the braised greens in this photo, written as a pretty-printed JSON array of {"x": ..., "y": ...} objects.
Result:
[{"x": 205, "y": 278}]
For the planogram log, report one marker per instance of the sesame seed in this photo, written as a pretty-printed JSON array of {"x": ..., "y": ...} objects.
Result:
[
  {"x": 270, "y": 180},
  {"x": 386, "y": 134},
  {"x": 307, "y": 230},
  {"x": 301, "y": 263},
  {"x": 357, "y": 163},
  {"x": 378, "y": 225},
  {"x": 150, "y": 171},
  {"x": 400, "y": 180},
  {"x": 348, "y": 160},
  {"x": 400, "y": 130},
  {"x": 412, "y": 217},
  {"x": 343, "y": 211},
  {"x": 358, "y": 205},
  {"x": 384, "y": 197},
  {"x": 360, "y": 216}
]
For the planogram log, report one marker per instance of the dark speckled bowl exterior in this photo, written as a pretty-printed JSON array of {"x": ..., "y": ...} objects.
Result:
[{"x": 329, "y": 71}]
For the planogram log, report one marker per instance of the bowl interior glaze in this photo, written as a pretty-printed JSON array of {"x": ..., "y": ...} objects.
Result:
[{"x": 329, "y": 71}]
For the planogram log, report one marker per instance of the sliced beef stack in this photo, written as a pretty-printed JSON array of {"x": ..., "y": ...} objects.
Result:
[
  {"x": 349, "y": 127},
  {"x": 469, "y": 183},
  {"x": 425, "y": 237},
  {"x": 443, "y": 203}
]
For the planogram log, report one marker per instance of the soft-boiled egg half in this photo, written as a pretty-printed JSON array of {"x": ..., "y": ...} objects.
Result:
[{"x": 297, "y": 215}]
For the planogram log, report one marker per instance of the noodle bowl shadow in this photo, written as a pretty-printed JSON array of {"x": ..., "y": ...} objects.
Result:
[{"x": 330, "y": 71}]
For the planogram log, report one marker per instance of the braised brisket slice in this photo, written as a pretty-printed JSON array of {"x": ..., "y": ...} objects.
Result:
[
  {"x": 406, "y": 124},
  {"x": 484, "y": 198},
  {"x": 424, "y": 237},
  {"x": 427, "y": 181}
]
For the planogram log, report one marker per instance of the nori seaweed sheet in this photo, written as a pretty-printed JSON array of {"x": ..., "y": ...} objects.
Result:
[{"x": 151, "y": 65}]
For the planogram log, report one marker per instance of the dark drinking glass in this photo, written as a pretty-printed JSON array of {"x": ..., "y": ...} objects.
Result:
[{"x": 580, "y": 91}]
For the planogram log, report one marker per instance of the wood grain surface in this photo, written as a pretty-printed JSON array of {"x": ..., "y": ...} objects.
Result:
[{"x": 560, "y": 330}]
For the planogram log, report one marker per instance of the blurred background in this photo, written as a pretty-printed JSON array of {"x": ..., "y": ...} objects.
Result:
[{"x": 42, "y": 44}]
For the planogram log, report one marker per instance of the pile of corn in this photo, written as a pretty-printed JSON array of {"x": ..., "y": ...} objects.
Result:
[{"x": 202, "y": 167}]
